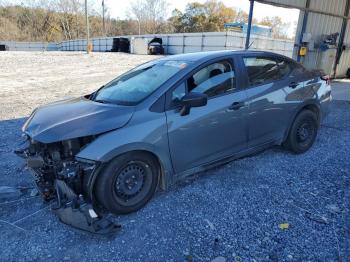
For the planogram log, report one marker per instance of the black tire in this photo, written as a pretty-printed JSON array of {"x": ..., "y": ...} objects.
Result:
[
  {"x": 115, "y": 46},
  {"x": 127, "y": 183},
  {"x": 124, "y": 45},
  {"x": 303, "y": 132}
]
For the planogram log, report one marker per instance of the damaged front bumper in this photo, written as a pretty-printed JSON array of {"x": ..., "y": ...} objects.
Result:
[{"x": 70, "y": 188}]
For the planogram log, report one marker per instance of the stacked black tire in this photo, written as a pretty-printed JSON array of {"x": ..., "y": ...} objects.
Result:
[
  {"x": 4, "y": 48},
  {"x": 115, "y": 45},
  {"x": 121, "y": 44},
  {"x": 124, "y": 45}
]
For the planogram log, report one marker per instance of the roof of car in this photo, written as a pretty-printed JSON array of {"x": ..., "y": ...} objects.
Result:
[{"x": 212, "y": 54}]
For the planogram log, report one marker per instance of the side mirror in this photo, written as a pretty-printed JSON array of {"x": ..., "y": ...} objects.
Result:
[{"x": 192, "y": 99}]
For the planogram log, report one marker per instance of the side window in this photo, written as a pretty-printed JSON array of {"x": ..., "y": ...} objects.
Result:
[
  {"x": 263, "y": 70},
  {"x": 213, "y": 80}
]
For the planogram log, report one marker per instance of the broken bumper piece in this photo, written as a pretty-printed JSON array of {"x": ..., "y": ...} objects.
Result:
[
  {"x": 85, "y": 218},
  {"x": 74, "y": 211}
]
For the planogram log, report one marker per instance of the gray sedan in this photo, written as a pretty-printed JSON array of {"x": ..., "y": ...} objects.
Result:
[{"x": 108, "y": 152}]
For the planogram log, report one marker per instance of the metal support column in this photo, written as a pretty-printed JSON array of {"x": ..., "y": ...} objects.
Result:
[
  {"x": 250, "y": 18},
  {"x": 341, "y": 38},
  {"x": 303, "y": 28}
]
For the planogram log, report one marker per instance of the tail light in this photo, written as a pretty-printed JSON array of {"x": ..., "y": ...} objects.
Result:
[{"x": 326, "y": 78}]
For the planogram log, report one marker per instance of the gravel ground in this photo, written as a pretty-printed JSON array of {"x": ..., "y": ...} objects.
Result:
[
  {"x": 233, "y": 211},
  {"x": 30, "y": 79}
]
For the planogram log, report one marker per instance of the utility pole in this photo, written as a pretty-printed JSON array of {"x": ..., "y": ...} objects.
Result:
[
  {"x": 138, "y": 21},
  {"x": 87, "y": 29},
  {"x": 103, "y": 18}
]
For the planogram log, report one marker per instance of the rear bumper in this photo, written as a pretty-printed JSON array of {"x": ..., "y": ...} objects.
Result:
[{"x": 325, "y": 102}]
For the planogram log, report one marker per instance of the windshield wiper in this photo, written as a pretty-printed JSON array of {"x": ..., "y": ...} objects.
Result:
[{"x": 101, "y": 101}]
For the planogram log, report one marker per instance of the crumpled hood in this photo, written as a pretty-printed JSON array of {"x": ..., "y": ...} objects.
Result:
[{"x": 74, "y": 118}]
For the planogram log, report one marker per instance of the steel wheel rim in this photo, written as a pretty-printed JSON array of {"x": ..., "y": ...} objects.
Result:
[
  {"x": 305, "y": 133},
  {"x": 132, "y": 183}
]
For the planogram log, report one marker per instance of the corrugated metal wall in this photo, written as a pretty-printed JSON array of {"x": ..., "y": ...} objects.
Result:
[
  {"x": 330, "y": 6},
  {"x": 319, "y": 24},
  {"x": 344, "y": 63}
]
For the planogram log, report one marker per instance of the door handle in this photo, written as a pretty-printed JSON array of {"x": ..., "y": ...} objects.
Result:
[
  {"x": 236, "y": 105},
  {"x": 293, "y": 84}
]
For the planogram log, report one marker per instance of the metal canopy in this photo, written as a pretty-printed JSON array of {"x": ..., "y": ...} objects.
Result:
[
  {"x": 289, "y": 4},
  {"x": 334, "y": 17}
]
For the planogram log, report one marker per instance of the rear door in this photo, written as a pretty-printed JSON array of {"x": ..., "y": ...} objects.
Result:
[
  {"x": 268, "y": 82},
  {"x": 211, "y": 132}
]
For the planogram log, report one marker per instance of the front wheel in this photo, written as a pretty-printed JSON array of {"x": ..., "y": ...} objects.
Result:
[
  {"x": 303, "y": 132},
  {"x": 127, "y": 183}
]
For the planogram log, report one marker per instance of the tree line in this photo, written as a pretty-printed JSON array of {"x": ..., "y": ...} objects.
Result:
[{"x": 58, "y": 20}]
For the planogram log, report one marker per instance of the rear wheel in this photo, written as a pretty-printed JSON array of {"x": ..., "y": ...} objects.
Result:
[
  {"x": 303, "y": 132},
  {"x": 127, "y": 183}
]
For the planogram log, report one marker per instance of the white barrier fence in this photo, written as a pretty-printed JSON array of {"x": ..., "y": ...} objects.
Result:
[
  {"x": 29, "y": 46},
  {"x": 189, "y": 42},
  {"x": 173, "y": 43}
]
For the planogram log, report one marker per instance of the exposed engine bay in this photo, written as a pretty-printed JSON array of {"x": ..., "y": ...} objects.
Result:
[
  {"x": 56, "y": 161},
  {"x": 62, "y": 178}
]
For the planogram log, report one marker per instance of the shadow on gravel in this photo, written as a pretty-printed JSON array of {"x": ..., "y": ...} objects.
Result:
[
  {"x": 15, "y": 182},
  {"x": 234, "y": 211},
  {"x": 11, "y": 167}
]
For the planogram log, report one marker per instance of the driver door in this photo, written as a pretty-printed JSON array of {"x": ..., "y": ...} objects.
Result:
[{"x": 213, "y": 131}]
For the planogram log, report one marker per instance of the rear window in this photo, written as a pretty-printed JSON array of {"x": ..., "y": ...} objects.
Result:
[{"x": 264, "y": 70}]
